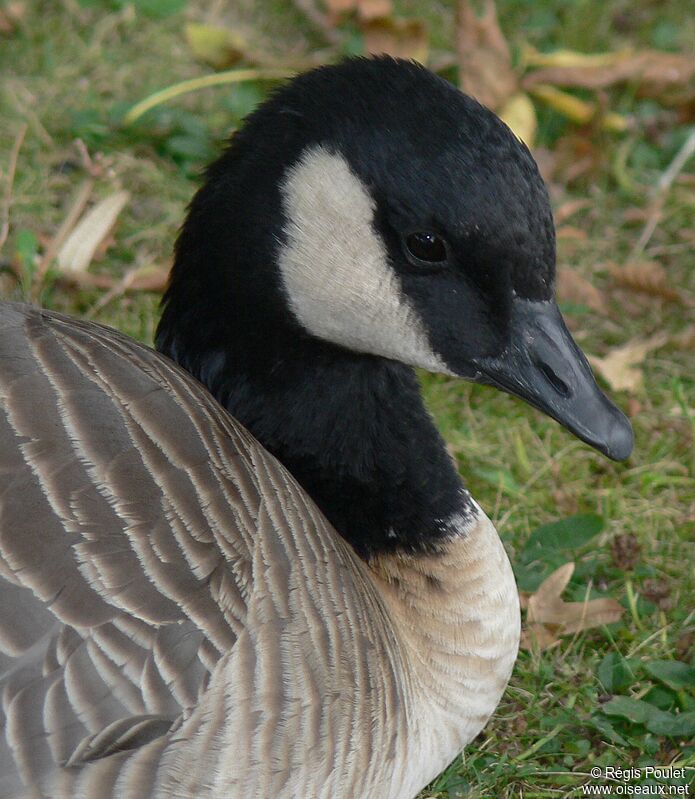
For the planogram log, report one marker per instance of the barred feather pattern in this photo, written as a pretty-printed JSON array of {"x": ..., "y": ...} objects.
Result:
[{"x": 178, "y": 618}]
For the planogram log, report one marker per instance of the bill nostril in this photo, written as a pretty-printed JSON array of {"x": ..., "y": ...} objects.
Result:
[{"x": 555, "y": 381}]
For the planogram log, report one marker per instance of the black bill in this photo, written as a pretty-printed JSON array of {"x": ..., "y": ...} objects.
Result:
[{"x": 547, "y": 369}]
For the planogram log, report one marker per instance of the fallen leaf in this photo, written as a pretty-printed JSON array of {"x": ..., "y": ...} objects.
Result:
[
  {"x": 570, "y": 208},
  {"x": 684, "y": 644},
  {"x": 10, "y": 16},
  {"x": 633, "y": 407},
  {"x": 574, "y": 288},
  {"x": 636, "y": 214},
  {"x": 216, "y": 45},
  {"x": 340, "y": 7},
  {"x": 645, "y": 277},
  {"x": 374, "y": 9},
  {"x": 625, "y": 551},
  {"x": 580, "y": 111},
  {"x": 658, "y": 592},
  {"x": 365, "y": 9},
  {"x": 78, "y": 251},
  {"x": 685, "y": 340},
  {"x": 618, "y": 367},
  {"x": 6, "y": 24},
  {"x": 569, "y": 58},
  {"x": 538, "y": 636},
  {"x": 570, "y": 232},
  {"x": 520, "y": 115},
  {"x": 548, "y": 616},
  {"x": 151, "y": 277},
  {"x": 666, "y": 77},
  {"x": 485, "y": 63},
  {"x": 401, "y": 38}
]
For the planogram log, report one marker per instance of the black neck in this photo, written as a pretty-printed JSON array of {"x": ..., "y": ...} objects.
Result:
[{"x": 352, "y": 429}]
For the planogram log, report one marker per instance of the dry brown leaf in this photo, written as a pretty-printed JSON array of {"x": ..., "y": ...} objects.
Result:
[
  {"x": 10, "y": 16},
  {"x": 548, "y": 616},
  {"x": 538, "y": 636},
  {"x": 151, "y": 277},
  {"x": 365, "y": 9},
  {"x": 340, "y": 7},
  {"x": 626, "y": 551},
  {"x": 669, "y": 76},
  {"x": 6, "y": 24},
  {"x": 144, "y": 278},
  {"x": 574, "y": 288},
  {"x": 619, "y": 367},
  {"x": 485, "y": 63},
  {"x": 571, "y": 232},
  {"x": 402, "y": 38},
  {"x": 374, "y": 9},
  {"x": 547, "y": 595},
  {"x": 575, "y": 155},
  {"x": 685, "y": 340},
  {"x": 636, "y": 214},
  {"x": 646, "y": 277},
  {"x": 570, "y": 208},
  {"x": 78, "y": 251}
]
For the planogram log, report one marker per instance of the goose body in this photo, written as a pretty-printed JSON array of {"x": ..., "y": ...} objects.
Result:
[{"x": 259, "y": 575}]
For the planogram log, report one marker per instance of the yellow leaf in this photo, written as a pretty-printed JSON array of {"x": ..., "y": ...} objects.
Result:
[
  {"x": 214, "y": 44},
  {"x": 566, "y": 104},
  {"x": 579, "y": 111},
  {"x": 570, "y": 59},
  {"x": 91, "y": 231},
  {"x": 518, "y": 112},
  {"x": 619, "y": 367}
]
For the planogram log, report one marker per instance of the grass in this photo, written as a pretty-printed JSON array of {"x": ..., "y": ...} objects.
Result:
[{"x": 72, "y": 68}]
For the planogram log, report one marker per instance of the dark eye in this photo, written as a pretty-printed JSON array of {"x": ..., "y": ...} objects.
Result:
[{"x": 428, "y": 247}]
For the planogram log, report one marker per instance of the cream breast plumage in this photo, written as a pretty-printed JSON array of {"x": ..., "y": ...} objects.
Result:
[{"x": 275, "y": 584}]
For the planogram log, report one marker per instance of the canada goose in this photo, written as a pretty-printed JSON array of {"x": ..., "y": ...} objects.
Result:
[{"x": 180, "y": 617}]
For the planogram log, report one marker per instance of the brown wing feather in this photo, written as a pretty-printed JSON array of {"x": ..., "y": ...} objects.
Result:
[{"x": 169, "y": 594}]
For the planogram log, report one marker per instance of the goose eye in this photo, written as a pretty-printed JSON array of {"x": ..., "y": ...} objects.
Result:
[{"x": 426, "y": 247}]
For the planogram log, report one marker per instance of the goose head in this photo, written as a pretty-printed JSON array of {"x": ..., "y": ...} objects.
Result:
[
  {"x": 367, "y": 219},
  {"x": 373, "y": 207}
]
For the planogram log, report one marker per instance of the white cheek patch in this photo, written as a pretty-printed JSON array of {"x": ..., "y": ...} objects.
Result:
[{"x": 335, "y": 269}]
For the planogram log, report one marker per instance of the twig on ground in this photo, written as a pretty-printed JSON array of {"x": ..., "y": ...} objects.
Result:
[
  {"x": 11, "y": 169},
  {"x": 84, "y": 192},
  {"x": 319, "y": 20},
  {"x": 661, "y": 191}
]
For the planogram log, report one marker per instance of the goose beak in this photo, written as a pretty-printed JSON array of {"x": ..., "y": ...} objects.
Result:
[{"x": 545, "y": 367}]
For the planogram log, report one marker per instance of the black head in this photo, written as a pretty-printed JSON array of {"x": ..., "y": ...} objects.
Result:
[{"x": 372, "y": 207}]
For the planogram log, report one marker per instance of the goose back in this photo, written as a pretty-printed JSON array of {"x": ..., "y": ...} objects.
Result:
[{"x": 178, "y": 618}]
